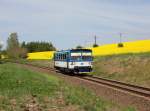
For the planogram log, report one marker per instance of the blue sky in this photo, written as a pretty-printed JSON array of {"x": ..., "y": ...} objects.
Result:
[{"x": 68, "y": 23}]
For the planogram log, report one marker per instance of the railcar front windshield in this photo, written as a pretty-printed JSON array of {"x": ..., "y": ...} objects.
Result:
[
  {"x": 76, "y": 58},
  {"x": 81, "y": 56},
  {"x": 86, "y": 56}
]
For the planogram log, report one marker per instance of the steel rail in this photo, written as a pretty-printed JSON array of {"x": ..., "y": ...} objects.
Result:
[
  {"x": 141, "y": 91},
  {"x": 122, "y": 83}
]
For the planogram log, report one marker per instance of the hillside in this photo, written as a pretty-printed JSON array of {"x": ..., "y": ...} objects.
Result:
[
  {"x": 131, "y": 68},
  {"x": 110, "y": 49},
  {"x": 25, "y": 90},
  {"x": 128, "y": 47}
]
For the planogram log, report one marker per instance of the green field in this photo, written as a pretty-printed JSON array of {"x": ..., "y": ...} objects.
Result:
[{"x": 25, "y": 90}]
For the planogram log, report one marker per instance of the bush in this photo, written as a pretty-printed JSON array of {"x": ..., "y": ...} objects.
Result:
[
  {"x": 120, "y": 45},
  {"x": 95, "y": 45},
  {"x": 16, "y": 53},
  {"x": 23, "y": 53},
  {"x": 79, "y": 47}
]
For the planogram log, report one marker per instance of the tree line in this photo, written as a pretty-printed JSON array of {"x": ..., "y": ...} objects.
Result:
[
  {"x": 38, "y": 46},
  {"x": 17, "y": 50}
]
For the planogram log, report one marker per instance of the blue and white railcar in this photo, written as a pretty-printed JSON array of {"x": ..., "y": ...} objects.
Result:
[{"x": 75, "y": 60}]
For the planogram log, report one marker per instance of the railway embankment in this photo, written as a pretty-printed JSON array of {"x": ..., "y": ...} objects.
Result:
[
  {"x": 116, "y": 92},
  {"x": 30, "y": 89},
  {"x": 129, "y": 68}
]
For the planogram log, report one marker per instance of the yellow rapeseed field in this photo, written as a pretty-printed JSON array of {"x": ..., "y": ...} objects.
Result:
[
  {"x": 129, "y": 47},
  {"x": 41, "y": 55},
  {"x": 110, "y": 49}
]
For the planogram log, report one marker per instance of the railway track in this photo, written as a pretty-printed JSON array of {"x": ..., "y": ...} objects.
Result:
[
  {"x": 138, "y": 90},
  {"x": 129, "y": 88}
]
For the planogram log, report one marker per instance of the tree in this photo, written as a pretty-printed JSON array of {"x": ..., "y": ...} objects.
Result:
[
  {"x": 0, "y": 51},
  {"x": 12, "y": 41},
  {"x": 23, "y": 45},
  {"x": 13, "y": 45},
  {"x": 0, "y": 47},
  {"x": 14, "y": 50}
]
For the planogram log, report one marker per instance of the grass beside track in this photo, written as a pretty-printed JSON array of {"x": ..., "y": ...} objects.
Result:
[
  {"x": 44, "y": 63},
  {"x": 25, "y": 90}
]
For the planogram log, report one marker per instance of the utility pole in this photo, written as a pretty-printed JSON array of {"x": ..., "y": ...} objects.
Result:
[
  {"x": 120, "y": 44},
  {"x": 95, "y": 39},
  {"x": 120, "y": 37},
  {"x": 95, "y": 42}
]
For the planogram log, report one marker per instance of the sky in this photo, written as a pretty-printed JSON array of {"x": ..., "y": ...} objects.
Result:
[{"x": 68, "y": 23}]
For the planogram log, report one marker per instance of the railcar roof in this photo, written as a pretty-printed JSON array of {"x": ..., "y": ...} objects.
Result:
[
  {"x": 81, "y": 50},
  {"x": 73, "y": 50}
]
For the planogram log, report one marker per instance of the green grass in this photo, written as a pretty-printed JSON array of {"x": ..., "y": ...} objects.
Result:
[
  {"x": 37, "y": 62},
  {"x": 45, "y": 63},
  {"x": 22, "y": 89},
  {"x": 131, "y": 68},
  {"x": 16, "y": 83}
]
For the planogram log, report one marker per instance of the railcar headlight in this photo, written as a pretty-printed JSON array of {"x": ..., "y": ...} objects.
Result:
[
  {"x": 72, "y": 63},
  {"x": 90, "y": 63}
]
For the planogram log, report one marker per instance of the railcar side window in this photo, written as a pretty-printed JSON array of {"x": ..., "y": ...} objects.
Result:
[
  {"x": 61, "y": 57},
  {"x": 64, "y": 56},
  {"x": 55, "y": 56},
  {"x": 58, "y": 56}
]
